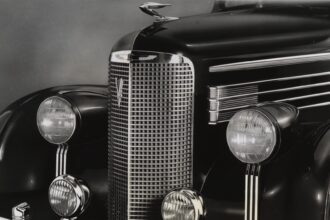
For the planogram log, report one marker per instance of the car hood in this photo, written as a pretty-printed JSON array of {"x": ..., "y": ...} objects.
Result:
[{"x": 228, "y": 34}]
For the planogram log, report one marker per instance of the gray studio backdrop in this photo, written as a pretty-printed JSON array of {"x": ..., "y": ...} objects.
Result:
[{"x": 46, "y": 43}]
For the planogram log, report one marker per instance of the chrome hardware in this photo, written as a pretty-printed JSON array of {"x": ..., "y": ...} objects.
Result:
[
  {"x": 273, "y": 62},
  {"x": 150, "y": 133},
  {"x": 194, "y": 197},
  {"x": 221, "y": 107},
  {"x": 327, "y": 204},
  {"x": 252, "y": 192},
  {"x": 21, "y": 212},
  {"x": 119, "y": 87},
  {"x": 150, "y": 9},
  {"x": 61, "y": 159},
  {"x": 57, "y": 196},
  {"x": 226, "y": 100}
]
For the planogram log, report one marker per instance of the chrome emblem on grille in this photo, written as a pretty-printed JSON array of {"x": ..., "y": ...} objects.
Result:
[{"x": 119, "y": 87}]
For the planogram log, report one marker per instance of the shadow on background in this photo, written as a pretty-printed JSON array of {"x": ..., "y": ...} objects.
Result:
[{"x": 50, "y": 43}]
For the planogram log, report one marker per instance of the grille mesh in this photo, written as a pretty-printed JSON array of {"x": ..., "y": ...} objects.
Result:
[
  {"x": 153, "y": 154},
  {"x": 118, "y": 140}
]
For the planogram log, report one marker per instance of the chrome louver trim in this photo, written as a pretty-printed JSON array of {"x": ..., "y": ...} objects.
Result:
[
  {"x": 150, "y": 133},
  {"x": 272, "y": 62},
  {"x": 243, "y": 95}
]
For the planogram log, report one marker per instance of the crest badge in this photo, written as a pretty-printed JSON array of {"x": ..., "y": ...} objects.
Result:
[{"x": 119, "y": 88}]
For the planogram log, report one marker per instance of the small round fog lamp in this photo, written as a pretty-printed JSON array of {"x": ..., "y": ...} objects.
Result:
[
  {"x": 56, "y": 120},
  {"x": 68, "y": 197},
  {"x": 183, "y": 204},
  {"x": 251, "y": 136}
]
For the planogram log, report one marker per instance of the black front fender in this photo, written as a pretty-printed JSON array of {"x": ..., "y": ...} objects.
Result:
[{"x": 27, "y": 161}]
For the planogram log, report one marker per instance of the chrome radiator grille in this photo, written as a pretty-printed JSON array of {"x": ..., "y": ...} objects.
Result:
[{"x": 154, "y": 128}]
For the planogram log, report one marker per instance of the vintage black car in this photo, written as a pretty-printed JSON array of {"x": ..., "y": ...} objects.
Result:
[{"x": 218, "y": 116}]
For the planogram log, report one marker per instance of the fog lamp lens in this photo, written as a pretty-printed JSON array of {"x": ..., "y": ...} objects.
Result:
[
  {"x": 251, "y": 136},
  {"x": 56, "y": 120},
  {"x": 67, "y": 197},
  {"x": 182, "y": 204}
]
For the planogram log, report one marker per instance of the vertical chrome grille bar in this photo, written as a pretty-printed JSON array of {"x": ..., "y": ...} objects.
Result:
[{"x": 154, "y": 121}]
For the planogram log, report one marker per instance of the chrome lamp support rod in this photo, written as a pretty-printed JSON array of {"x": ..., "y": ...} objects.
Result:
[
  {"x": 252, "y": 192},
  {"x": 61, "y": 159}
]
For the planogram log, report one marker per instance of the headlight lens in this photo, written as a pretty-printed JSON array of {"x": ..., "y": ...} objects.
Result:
[
  {"x": 56, "y": 120},
  {"x": 182, "y": 204},
  {"x": 251, "y": 136},
  {"x": 68, "y": 197}
]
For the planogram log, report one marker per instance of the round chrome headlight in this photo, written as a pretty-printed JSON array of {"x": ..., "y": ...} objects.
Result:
[
  {"x": 56, "y": 120},
  {"x": 183, "y": 204},
  {"x": 68, "y": 197},
  {"x": 251, "y": 136}
]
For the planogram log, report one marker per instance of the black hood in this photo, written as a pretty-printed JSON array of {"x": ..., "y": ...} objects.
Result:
[{"x": 228, "y": 34}]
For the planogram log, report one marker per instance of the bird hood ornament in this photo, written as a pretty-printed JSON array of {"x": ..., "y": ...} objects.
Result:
[{"x": 150, "y": 9}]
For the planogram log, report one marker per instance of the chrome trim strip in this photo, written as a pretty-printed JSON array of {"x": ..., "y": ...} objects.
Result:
[
  {"x": 322, "y": 104},
  {"x": 327, "y": 203},
  {"x": 129, "y": 143},
  {"x": 256, "y": 191},
  {"x": 57, "y": 166},
  {"x": 136, "y": 56},
  {"x": 272, "y": 62},
  {"x": 274, "y": 80},
  {"x": 251, "y": 193},
  {"x": 280, "y": 100},
  {"x": 246, "y": 202},
  {"x": 61, "y": 160},
  {"x": 65, "y": 156},
  {"x": 304, "y": 97},
  {"x": 277, "y": 90}
]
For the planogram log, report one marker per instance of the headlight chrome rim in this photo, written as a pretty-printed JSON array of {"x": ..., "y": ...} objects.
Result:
[
  {"x": 195, "y": 198},
  {"x": 81, "y": 191},
  {"x": 74, "y": 112},
  {"x": 275, "y": 131}
]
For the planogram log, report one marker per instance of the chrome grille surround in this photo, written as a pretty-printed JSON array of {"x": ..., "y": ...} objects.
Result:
[{"x": 150, "y": 132}]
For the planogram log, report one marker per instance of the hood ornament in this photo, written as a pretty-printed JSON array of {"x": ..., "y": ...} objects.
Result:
[{"x": 150, "y": 9}]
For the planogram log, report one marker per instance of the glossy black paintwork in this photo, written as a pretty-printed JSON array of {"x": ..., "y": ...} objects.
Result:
[
  {"x": 27, "y": 163},
  {"x": 288, "y": 182},
  {"x": 229, "y": 5},
  {"x": 285, "y": 118},
  {"x": 239, "y": 35}
]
